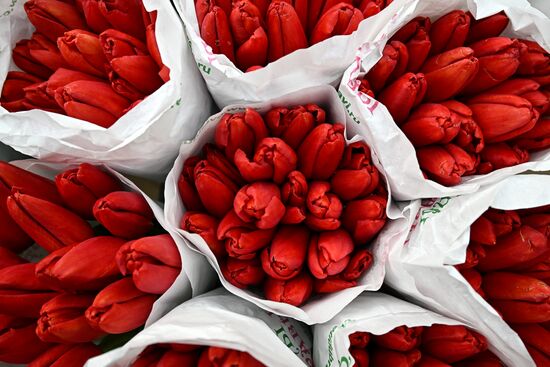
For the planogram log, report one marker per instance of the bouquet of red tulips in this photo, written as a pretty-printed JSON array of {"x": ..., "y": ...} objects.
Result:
[
  {"x": 282, "y": 205},
  {"x": 378, "y": 330},
  {"x": 190, "y": 336},
  {"x": 469, "y": 100},
  {"x": 488, "y": 266},
  {"x": 95, "y": 279}
]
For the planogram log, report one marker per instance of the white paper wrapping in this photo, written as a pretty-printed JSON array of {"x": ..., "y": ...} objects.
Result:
[
  {"x": 318, "y": 309},
  {"x": 376, "y": 313},
  {"x": 422, "y": 269},
  {"x": 223, "y": 320},
  {"x": 196, "y": 276},
  {"x": 394, "y": 150},
  {"x": 142, "y": 142}
]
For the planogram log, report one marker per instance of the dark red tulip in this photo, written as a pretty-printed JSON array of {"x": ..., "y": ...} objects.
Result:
[
  {"x": 427, "y": 361},
  {"x": 324, "y": 207},
  {"x": 401, "y": 339},
  {"x": 12, "y": 91},
  {"x": 8, "y": 258},
  {"x": 539, "y": 358},
  {"x": 293, "y": 193},
  {"x": 341, "y": 19},
  {"x": 483, "y": 231},
  {"x": 124, "y": 214},
  {"x": 537, "y": 138},
  {"x": 365, "y": 88},
  {"x": 473, "y": 277},
  {"x": 294, "y": 124},
  {"x": 491, "y": 26},
  {"x": 449, "y": 31},
  {"x": 117, "y": 44},
  {"x": 322, "y": 151},
  {"x": 37, "y": 97},
  {"x": 452, "y": 343},
  {"x": 216, "y": 33},
  {"x": 534, "y": 60},
  {"x": 386, "y": 357},
  {"x": 329, "y": 253},
  {"x": 534, "y": 336},
  {"x": 402, "y": 95},
  {"x": 95, "y": 20},
  {"x": 45, "y": 52},
  {"x": 242, "y": 273},
  {"x": 22, "y": 58},
  {"x": 392, "y": 65},
  {"x": 259, "y": 203},
  {"x": 332, "y": 284},
  {"x": 285, "y": 36},
  {"x": 295, "y": 291},
  {"x": 27, "y": 182},
  {"x": 134, "y": 76},
  {"x": 445, "y": 164},
  {"x": 364, "y": 218},
  {"x": 61, "y": 77},
  {"x": 415, "y": 35},
  {"x": 540, "y": 222},
  {"x": 248, "y": 31},
  {"x": 474, "y": 253},
  {"x": 359, "y": 339},
  {"x": 123, "y": 15},
  {"x": 205, "y": 226},
  {"x": 217, "y": 356},
  {"x": 430, "y": 123},
  {"x": 18, "y": 340},
  {"x": 53, "y": 18},
  {"x": 505, "y": 221},
  {"x": 469, "y": 137},
  {"x": 360, "y": 357},
  {"x": 360, "y": 262},
  {"x": 62, "y": 355},
  {"x": 82, "y": 51},
  {"x": 186, "y": 185},
  {"x": 284, "y": 258},
  {"x": 501, "y": 155}
]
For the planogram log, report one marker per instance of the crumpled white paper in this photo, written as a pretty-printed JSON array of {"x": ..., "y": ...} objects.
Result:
[
  {"x": 196, "y": 276},
  {"x": 318, "y": 309},
  {"x": 423, "y": 269},
  {"x": 376, "y": 313},
  {"x": 142, "y": 142},
  {"x": 394, "y": 150},
  {"x": 222, "y": 320}
]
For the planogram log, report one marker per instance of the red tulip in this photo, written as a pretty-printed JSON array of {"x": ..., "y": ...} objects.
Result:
[
  {"x": 501, "y": 155},
  {"x": 205, "y": 226},
  {"x": 29, "y": 183},
  {"x": 81, "y": 187},
  {"x": 504, "y": 221},
  {"x": 332, "y": 284},
  {"x": 539, "y": 358},
  {"x": 216, "y": 190},
  {"x": 474, "y": 253},
  {"x": 124, "y": 214},
  {"x": 273, "y": 160},
  {"x": 470, "y": 136},
  {"x": 134, "y": 76},
  {"x": 359, "y": 339},
  {"x": 61, "y": 77},
  {"x": 186, "y": 185},
  {"x": 365, "y": 88},
  {"x": 535, "y": 336},
  {"x": 364, "y": 218},
  {"x": 95, "y": 20},
  {"x": 217, "y": 356},
  {"x": 294, "y": 124},
  {"x": 49, "y": 224},
  {"x": 249, "y": 34},
  {"x": 356, "y": 176},
  {"x": 518, "y": 298},
  {"x": 322, "y": 151},
  {"x": 473, "y": 277},
  {"x": 295, "y": 291},
  {"x": 415, "y": 35},
  {"x": 293, "y": 193},
  {"x": 402, "y": 95},
  {"x": 284, "y": 258},
  {"x": 449, "y": 31},
  {"x": 491, "y": 26},
  {"x": 526, "y": 88},
  {"x": 360, "y": 357},
  {"x": 540, "y": 270},
  {"x": 22, "y": 58},
  {"x": 401, "y": 339},
  {"x": 329, "y": 253},
  {"x": 498, "y": 60},
  {"x": 242, "y": 239},
  {"x": 284, "y": 30},
  {"x": 483, "y": 231},
  {"x": 62, "y": 320},
  {"x": 8, "y": 258},
  {"x": 427, "y": 361},
  {"x": 175, "y": 358},
  {"x": 540, "y": 222},
  {"x": 12, "y": 90},
  {"x": 120, "y": 307},
  {"x": 218, "y": 160},
  {"x": 18, "y": 341},
  {"x": 216, "y": 33},
  {"x": 123, "y": 15},
  {"x": 53, "y": 18},
  {"x": 62, "y": 355},
  {"x": 259, "y": 203},
  {"x": 373, "y": 7},
  {"x": 392, "y": 65},
  {"x": 83, "y": 52},
  {"x": 386, "y": 357},
  {"x": 534, "y": 61},
  {"x": 448, "y": 73},
  {"x": 537, "y": 138},
  {"x": 430, "y": 123},
  {"x": 36, "y": 97},
  {"x": 451, "y": 344},
  {"x": 92, "y": 101},
  {"x": 445, "y": 164},
  {"x": 341, "y": 19},
  {"x": 115, "y": 44},
  {"x": 45, "y": 52},
  {"x": 154, "y": 262},
  {"x": 324, "y": 208},
  {"x": 243, "y": 273}
]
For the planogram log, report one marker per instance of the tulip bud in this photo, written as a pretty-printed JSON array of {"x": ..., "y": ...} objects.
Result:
[
  {"x": 118, "y": 44},
  {"x": 504, "y": 221},
  {"x": 295, "y": 291},
  {"x": 91, "y": 101},
  {"x": 293, "y": 125},
  {"x": 8, "y": 258},
  {"x": 124, "y": 16},
  {"x": 501, "y": 155},
  {"x": 430, "y": 123},
  {"x": 427, "y": 361},
  {"x": 518, "y": 298},
  {"x": 205, "y": 226},
  {"x": 322, "y": 151},
  {"x": 22, "y": 294},
  {"x": 360, "y": 357},
  {"x": 14, "y": 84},
  {"x": 452, "y": 343},
  {"x": 402, "y": 95},
  {"x": 186, "y": 185},
  {"x": 470, "y": 136},
  {"x": 272, "y": 161},
  {"x": 284, "y": 258},
  {"x": 174, "y": 358},
  {"x": 415, "y": 35},
  {"x": 124, "y": 214},
  {"x": 242, "y": 239},
  {"x": 445, "y": 164},
  {"x": 45, "y": 52},
  {"x": 365, "y": 88},
  {"x": 329, "y": 253},
  {"x": 62, "y": 320},
  {"x": 216, "y": 33},
  {"x": 537, "y": 138},
  {"x": 243, "y": 273},
  {"x": 474, "y": 253},
  {"x": 154, "y": 262},
  {"x": 526, "y": 88},
  {"x": 61, "y": 77},
  {"x": 53, "y": 18},
  {"x": 386, "y": 357},
  {"x": 473, "y": 277},
  {"x": 83, "y": 52},
  {"x": 449, "y": 72},
  {"x": 332, "y": 284},
  {"x": 36, "y": 97},
  {"x": 359, "y": 339},
  {"x": 135, "y": 76},
  {"x": 540, "y": 270},
  {"x": 259, "y": 203},
  {"x": 18, "y": 341},
  {"x": 540, "y": 222},
  {"x": 95, "y": 20},
  {"x": 120, "y": 307},
  {"x": 324, "y": 208},
  {"x": 218, "y": 160},
  {"x": 534, "y": 61},
  {"x": 534, "y": 336},
  {"x": 216, "y": 190},
  {"x": 356, "y": 176},
  {"x": 401, "y": 339},
  {"x": 392, "y": 65},
  {"x": 217, "y": 356},
  {"x": 498, "y": 60},
  {"x": 449, "y": 31},
  {"x": 483, "y": 231},
  {"x": 249, "y": 34},
  {"x": 66, "y": 355},
  {"x": 364, "y": 218},
  {"x": 491, "y": 26},
  {"x": 293, "y": 193},
  {"x": 50, "y": 225},
  {"x": 341, "y": 19},
  {"x": 81, "y": 187},
  {"x": 242, "y": 131},
  {"x": 22, "y": 58},
  {"x": 284, "y": 30}
]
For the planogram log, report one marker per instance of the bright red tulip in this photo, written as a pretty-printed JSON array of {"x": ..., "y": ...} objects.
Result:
[
  {"x": 449, "y": 31},
  {"x": 62, "y": 355},
  {"x": 332, "y": 284},
  {"x": 123, "y": 15},
  {"x": 293, "y": 193},
  {"x": 27, "y": 182},
  {"x": 249, "y": 34},
  {"x": 124, "y": 214},
  {"x": 392, "y": 65},
  {"x": 386, "y": 357},
  {"x": 295, "y": 291},
  {"x": 452, "y": 343},
  {"x": 37, "y": 97},
  {"x": 284, "y": 30},
  {"x": 430, "y": 123},
  {"x": 401, "y": 339},
  {"x": 117, "y": 44},
  {"x": 534, "y": 61},
  {"x": 329, "y": 253},
  {"x": 83, "y": 52},
  {"x": 364, "y": 218},
  {"x": 53, "y": 18},
  {"x": 402, "y": 95},
  {"x": 22, "y": 58},
  {"x": 537, "y": 138},
  {"x": 45, "y": 52},
  {"x": 18, "y": 340},
  {"x": 205, "y": 226},
  {"x": 491, "y": 26},
  {"x": 359, "y": 339},
  {"x": 12, "y": 91},
  {"x": 216, "y": 33},
  {"x": 505, "y": 221},
  {"x": 365, "y": 88},
  {"x": 473, "y": 277},
  {"x": 134, "y": 76},
  {"x": 321, "y": 152},
  {"x": 501, "y": 155},
  {"x": 259, "y": 203},
  {"x": 469, "y": 137},
  {"x": 483, "y": 231},
  {"x": 415, "y": 35},
  {"x": 341, "y": 19},
  {"x": 243, "y": 273},
  {"x": 284, "y": 258},
  {"x": 154, "y": 262},
  {"x": 294, "y": 124},
  {"x": 186, "y": 185},
  {"x": 445, "y": 164},
  {"x": 216, "y": 189},
  {"x": 61, "y": 77},
  {"x": 324, "y": 207}
]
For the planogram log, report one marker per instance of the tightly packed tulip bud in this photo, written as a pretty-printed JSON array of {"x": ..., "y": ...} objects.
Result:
[
  {"x": 534, "y": 61},
  {"x": 452, "y": 343},
  {"x": 61, "y": 77},
  {"x": 364, "y": 218},
  {"x": 45, "y": 52},
  {"x": 285, "y": 257},
  {"x": 285, "y": 36},
  {"x": 66, "y": 355},
  {"x": 540, "y": 222},
  {"x": 249, "y": 34},
  {"x": 216, "y": 32},
  {"x": 242, "y": 239},
  {"x": 154, "y": 262},
  {"x": 124, "y": 214},
  {"x": 365, "y": 88},
  {"x": 18, "y": 340},
  {"x": 329, "y": 253},
  {"x": 415, "y": 35},
  {"x": 24, "y": 61},
  {"x": 500, "y": 155},
  {"x": 483, "y": 231},
  {"x": 323, "y": 207},
  {"x": 474, "y": 253},
  {"x": 115, "y": 43},
  {"x": 341, "y": 19},
  {"x": 403, "y": 94},
  {"x": 243, "y": 273},
  {"x": 12, "y": 95},
  {"x": 293, "y": 193},
  {"x": 445, "y": 164},
  {"x": 537, "y": 138},
  {"x": 504, "y": 221},
  {"x": 259, "y": 203},
  {"x": 134, "y": 76},
  {"x": 360, "y": 357},
  {"x": 81, "y": 187},
  {"x": 359, "y": 339},
  {"x": 535, "y": 336},
  {"x": 449, "y": 31},
  {"x": 402, "y": 338},
  {"x": 430, "y": 123},
  {"x": 387, "y": 357},
  {"x": 526, "y": 88},
  {"x": 53, "y": 18},
  {"x": 393, "y": 64},
  {"x": 186, "y": 185},
  {"x": 295, "y": 291},
  {"x": 205, "y": 226},
  {"x": 492, "y": 26},
  {"x": 474, "y": 278},
  {"x": 294, "y": 124},
  {"x": 469, "y": 137},
  {"x": 36, "y": 96},
  {"x": 82, "y": 51},
  {"x": 321, "y": 152}
]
